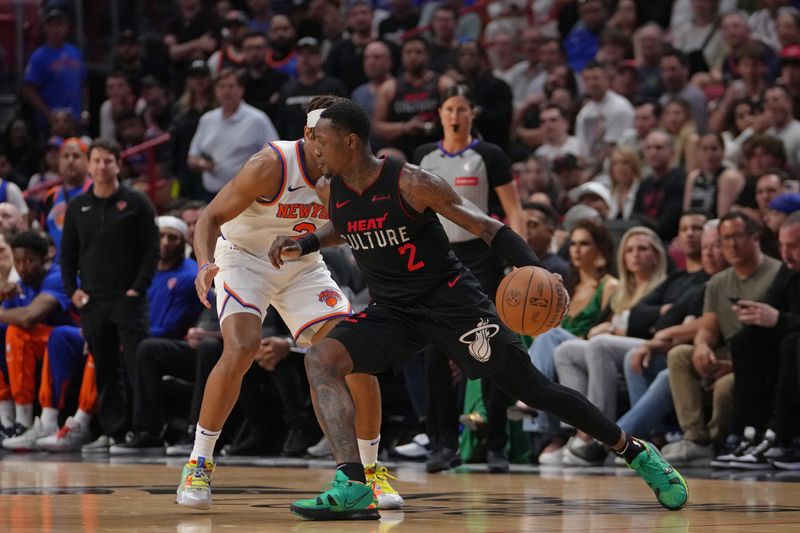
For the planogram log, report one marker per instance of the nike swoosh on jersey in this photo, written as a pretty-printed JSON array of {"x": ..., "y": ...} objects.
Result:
[
  {"x": 342, "y": 204},
  {"x": 289, "y": 188},
  {"x": 452, "y": 284}
]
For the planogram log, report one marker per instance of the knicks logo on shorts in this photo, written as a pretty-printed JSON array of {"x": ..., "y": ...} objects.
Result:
[
  {"x": 477, "y": 340},
  {"x": 330, "y": 297}
]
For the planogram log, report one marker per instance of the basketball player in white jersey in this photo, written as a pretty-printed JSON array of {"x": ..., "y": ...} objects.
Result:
[{"x": 273, "y": 194}]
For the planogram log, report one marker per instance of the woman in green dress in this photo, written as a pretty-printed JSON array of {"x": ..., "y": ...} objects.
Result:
[{"x": 590, "y": 287}]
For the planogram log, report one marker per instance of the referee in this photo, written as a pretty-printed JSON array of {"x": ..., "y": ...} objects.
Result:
[
  {"x": 481, "y": 173},
  {"x": 109, "y": 251}
]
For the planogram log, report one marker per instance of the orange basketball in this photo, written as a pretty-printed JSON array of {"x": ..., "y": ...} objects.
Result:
[{"x": 531, "y": 300}]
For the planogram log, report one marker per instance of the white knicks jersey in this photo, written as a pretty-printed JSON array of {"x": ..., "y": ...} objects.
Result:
[{"x": 295, "y": 210}]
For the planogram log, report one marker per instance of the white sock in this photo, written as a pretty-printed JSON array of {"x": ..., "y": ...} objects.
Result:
[
  {"x": 204, "y": 441},
  {"x": 49, "y": 418},
  {"x": 83, "y": 418},
  {"x": 7, "y": 417},
  {"x": 368, "y": 450},
  {"x": 25, "y": 414}
]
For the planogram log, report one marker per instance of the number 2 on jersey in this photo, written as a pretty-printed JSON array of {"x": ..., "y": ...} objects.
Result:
[
  {"x": 304, "y": 228},
  {"x": 412, "y": 251}
]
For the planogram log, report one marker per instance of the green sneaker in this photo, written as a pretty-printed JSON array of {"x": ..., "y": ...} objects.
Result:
[
  {"x": 342, "y": 499},
  {"x": 670, "y": 488}
]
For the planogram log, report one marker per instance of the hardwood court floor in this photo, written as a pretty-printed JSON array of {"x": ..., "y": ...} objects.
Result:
[{"x": 42, "y": 494}]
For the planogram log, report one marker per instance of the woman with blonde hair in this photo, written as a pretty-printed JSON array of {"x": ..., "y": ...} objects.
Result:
[
  {"x": 642, "y": 265},
  {"x": 625, "y": 172}
]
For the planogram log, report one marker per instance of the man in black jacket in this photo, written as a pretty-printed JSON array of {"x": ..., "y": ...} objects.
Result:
[
  {"x": 109, "y": 250},
  {"x": 660, "y": 194}
]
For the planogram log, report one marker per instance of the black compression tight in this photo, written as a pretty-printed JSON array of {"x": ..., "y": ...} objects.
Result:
[{"x": 523, "y": 381}]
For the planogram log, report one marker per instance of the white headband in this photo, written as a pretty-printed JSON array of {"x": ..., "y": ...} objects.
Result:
[
  {"x": 174, "y": 223},
  {"x": 313, "y": 117}
]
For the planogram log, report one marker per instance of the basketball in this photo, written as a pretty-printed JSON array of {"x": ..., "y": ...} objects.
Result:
[{"x": 531, "y": 300}]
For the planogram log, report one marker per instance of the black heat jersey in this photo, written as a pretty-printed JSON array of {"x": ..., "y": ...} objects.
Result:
[
  {"x": 421, "y": 293},
  {"x": 404, "y": 255},
  {"x": 415, "y": 100}
]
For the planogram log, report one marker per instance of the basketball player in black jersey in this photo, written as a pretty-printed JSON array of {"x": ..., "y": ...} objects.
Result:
[{"x": 387, "y": 212}]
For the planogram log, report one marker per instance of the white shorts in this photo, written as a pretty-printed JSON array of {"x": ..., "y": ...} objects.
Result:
[{"x": 302, "y": 291}]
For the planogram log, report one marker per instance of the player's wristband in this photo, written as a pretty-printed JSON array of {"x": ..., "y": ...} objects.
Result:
[
  {"x": 309, "y": 243},
  {"x": 513, "y": 248}
]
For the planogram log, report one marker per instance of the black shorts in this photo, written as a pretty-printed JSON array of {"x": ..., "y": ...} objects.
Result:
[{"x": 459, "y": 320}]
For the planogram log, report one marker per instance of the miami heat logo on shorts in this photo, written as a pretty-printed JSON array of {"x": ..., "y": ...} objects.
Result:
[
  {"x": 330, "y": 297},
  {"x": 477, "y": 340}
]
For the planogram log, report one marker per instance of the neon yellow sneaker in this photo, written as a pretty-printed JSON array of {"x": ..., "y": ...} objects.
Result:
[
  {"x": 195, "y": 487},
  {"x": 378, "y": 478}
]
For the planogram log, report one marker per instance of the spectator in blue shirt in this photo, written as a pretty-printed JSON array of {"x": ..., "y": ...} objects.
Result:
[
  {"x": 173, "y": 303},
  {"x": 55, "y": 75},
  {"x": 73, "y": 166},
  {"x": 583, "y": 41}
]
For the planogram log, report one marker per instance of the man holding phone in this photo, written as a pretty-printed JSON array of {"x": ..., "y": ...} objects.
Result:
[
  {"x": 694, "y": 370},
  {"x": 755, "y": 353}
]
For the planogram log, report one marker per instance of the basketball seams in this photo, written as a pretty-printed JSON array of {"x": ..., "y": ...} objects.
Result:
[
  {"x": 500, "y": 297},
  {"x": 504, "y": 286},
  {"x": 532, "y": 276},
  {"x": 553, "y": 303}
]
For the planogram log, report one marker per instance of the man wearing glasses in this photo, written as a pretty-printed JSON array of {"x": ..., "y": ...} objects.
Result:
[{"x": 701, "y": 368}]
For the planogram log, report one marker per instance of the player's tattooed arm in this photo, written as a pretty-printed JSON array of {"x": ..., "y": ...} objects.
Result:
[{"x": 425, "y": 190}]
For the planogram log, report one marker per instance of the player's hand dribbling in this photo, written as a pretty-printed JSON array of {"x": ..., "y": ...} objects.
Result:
[
  {"x": 203, "y": 280},
  {"x": 565, "y": 292},
  {"x": 283, "y": 248}
]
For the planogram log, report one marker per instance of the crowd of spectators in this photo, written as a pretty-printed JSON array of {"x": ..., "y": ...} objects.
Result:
[{"x": 654, "y": 147}]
